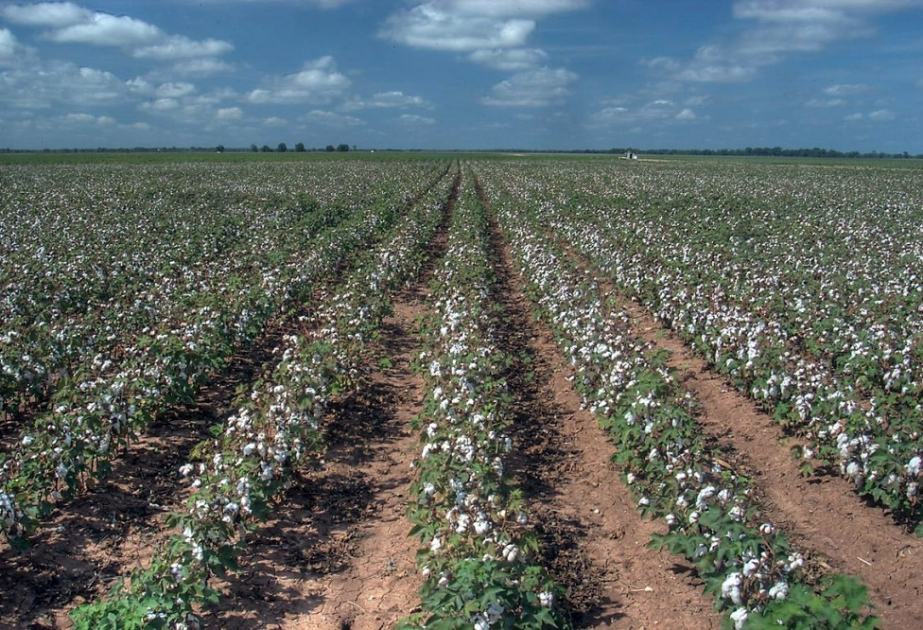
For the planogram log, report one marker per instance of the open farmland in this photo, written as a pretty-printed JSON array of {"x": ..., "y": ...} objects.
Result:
[{"x": 455, "y": 392}]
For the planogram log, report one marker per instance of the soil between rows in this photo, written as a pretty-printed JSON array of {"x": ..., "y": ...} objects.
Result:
[
  {"x": 594, "y": 540},
  {"x": 102, "y": 534},
  {"x": 822, "y": 515}
]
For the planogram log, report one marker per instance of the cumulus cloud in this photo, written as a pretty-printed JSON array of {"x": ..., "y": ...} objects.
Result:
[
  {"x": 659, "y": 112},
  {"x": 44, "y": 84},
  {"x": 882, "y": 115},
  {"x": 331, "y": 119},
  {"x": 846, "y": 89},
  {"x": 510, "y": 59},
  {"x": 72, "y": 24},
  {"x": 11, "y": 51},
  {"x": 201, "y": 67},
  {"x": 229, "y": 113},
  {"x": 470, "y": 25},
  {"x": 174, "y": 90},
  {"x": 825, "y": 102},
  {"x": 532, "y": 88},
  {"x": 414, "y": 120},
  {"x": 429, "y": 26},
  {"x": 779, "y": 29},
  {"x": 317, "y": 82},
  {"x": 383, "y": 100}
]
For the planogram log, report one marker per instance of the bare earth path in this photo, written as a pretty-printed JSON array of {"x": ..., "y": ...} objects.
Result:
[{"x": 593, "y": 537}]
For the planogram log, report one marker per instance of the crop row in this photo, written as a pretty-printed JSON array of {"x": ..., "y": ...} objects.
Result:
[
  {"x": 96, "y": 414},
  {"x": 478, "y": 556},
  {"x": 713, "y": 521},
  {"x": 92, "y": 257},
  {"x": 275, "y": 432},
  {"x": 768, "y": 285}
]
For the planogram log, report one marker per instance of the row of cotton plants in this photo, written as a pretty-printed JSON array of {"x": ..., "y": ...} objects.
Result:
[
  {"x": 758, "y": 270},
  {"x": 816, "y": 391},
  {"x": 713, "y": 521},
  {"x": 97, "y": 413},
  {"x": 275, "y": 432},
  {"x": 91, "y": 256},
  {"x": 478, "y": 557}
]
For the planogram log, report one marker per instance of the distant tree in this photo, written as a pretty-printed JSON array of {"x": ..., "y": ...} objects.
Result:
[
  {"x": 354, "y": 148},
  {"x": 282, "y": 148},
  {"x": 253, "y": 148},
  {"x": 330, "y": 148},
  {"x": 220, "y": 148},
  {"x": 343, "y": 147},
  {"x": 265, "y": 149},
  {"x": 299, "y": 148}
]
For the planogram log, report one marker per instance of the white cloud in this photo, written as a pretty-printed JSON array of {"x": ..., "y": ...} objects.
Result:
[
  {"x": 102, "y": 29},
  {"x": 174, "y": 90},
  {"x": 829, "y": 102},
  {"x": 428, "y": 26},
  {"x": 882, "y": 115},
  {"x": 274, "y": 121},
  {"x": 532, "y": 88},
  {"x": 72, "y": 24},
  {"x": 780, "y": 28},
  {"x": 846, "y": 89},
  {"x": 160, "y": 105},
  {"x": 659, "y": 112},
  {"x": 470, "y": 25},
  {"x": 229, "y": 113},
  {"x": 509, "y": 59},
  {"x": 412, "y": 119},
  {"x": 181, "y": 47},
  {"x": 853, "y": 117},
  {"x": 89, "y": 119},
  {"x": 331, "y": 119},
  {"x": 715, "y": 64},
  {"x": 317, "y": 82},
  {"x": 52, "y": 14},
  {"x": 44, "y": 84},
  {"x": 393, "y": 99},
  {"x": 201, "y": 67},
  {"x": 11, "y": 51}
]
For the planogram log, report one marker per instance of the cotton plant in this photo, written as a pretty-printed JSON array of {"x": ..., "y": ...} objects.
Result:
[
  {"x": 709, "y": 509},
  {"x": 276, "y": 430},
  {"x": 477, "y": 553}
]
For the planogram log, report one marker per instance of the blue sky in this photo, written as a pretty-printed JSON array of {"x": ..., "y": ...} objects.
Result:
[{"x": 464, "y": 74}]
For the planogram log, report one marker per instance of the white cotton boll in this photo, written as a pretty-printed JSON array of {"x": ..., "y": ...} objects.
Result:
[
  {"x": 751, "y": 567},
  {"x": 27, "y": 440},
  {"x": 511, "y": 553},
  {"x": 462, "y": 524},
  {"x": 914, "y": 466},
  {"x": 779, "y": 590},
  {"x": 739, "y": 617},
  {"x": 546, "y": 599},
  {"x": 730, "y": 588},
  {"x": 480, "y": 623},
  {"x": 435, "y": 545},
  {"x": 767, "y": 529},
  {"x": 670, "y": 519},
  {"x": 630, "y": 478},
  {"x": 705, "y": 494}
]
